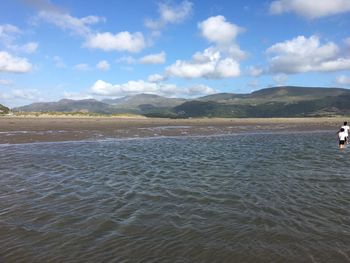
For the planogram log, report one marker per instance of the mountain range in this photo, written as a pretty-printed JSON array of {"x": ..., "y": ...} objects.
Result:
[{"x": 286, "y": 101}]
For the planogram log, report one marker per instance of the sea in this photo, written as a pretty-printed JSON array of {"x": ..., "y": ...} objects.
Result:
[{"x": 253, "y": 197}]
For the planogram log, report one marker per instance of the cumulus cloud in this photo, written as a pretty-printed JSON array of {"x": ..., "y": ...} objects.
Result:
[
  {"x": 106, "y": 41},
  {"x": 311, "y": 8},
  {"x": 306, "y": 55},
  {"x": 153, "y": 58},
  {"x": 76, "y": 96},
  {"x": 216, "y": 29},
  {"x": 123, "y": 41},
  {"x": 102, "y": 88},
  {"x": 218, "y": 61},
  {"x": 158, "y": 58},
  {"x": 199, "y": 89},
  {"x": 208, "y": 64},
  {"x": 13, "y": 64},
  {"x": 170, "y": 14},
  {"x": 77, "y": 26},
  {"x": 343, "y": 80},
  {"x": 103, "y": 65}
]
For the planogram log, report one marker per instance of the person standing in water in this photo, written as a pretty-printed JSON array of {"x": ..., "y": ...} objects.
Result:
[
  {"x": 346, "y": 130},
  {"x": 342, "y": 138}
]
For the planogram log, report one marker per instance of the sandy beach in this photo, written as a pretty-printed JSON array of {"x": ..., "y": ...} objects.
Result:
[{"x": 14, "y": 129}]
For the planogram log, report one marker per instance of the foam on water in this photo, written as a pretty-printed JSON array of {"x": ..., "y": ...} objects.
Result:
[{"x": 243, "y": 198}]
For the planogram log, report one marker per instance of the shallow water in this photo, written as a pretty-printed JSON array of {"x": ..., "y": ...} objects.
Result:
[{"x": 238, "y": 198}]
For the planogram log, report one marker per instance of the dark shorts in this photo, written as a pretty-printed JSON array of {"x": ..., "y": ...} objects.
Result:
[{"x": 341, "y": 142}]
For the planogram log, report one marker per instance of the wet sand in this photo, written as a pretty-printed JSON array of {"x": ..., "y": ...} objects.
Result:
[{"x": 14, "y": 129}]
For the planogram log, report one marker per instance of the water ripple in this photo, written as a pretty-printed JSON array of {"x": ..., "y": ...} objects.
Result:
[{"x": 241, "y": 198}]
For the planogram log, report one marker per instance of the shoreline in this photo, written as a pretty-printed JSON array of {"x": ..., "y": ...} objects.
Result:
[{"x": 16, "y": 130}]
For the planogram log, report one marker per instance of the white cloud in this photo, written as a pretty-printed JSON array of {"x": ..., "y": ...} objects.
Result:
[
  {"x": 170, "y": 15},
  {"x": 9, "y": 63},
  {"x": 311, "y": 8},
  {"x": 200, "y": 89},
  {"x": 91, "y": 20},
  {"x": 102, "y": 88},
  {"x": 208, "y": 64},
  {"x": 216, "y": 29},
  {"x": 216, "y": 62},
  {"x": 153, "y": 58},
  {"x": 103, "y": 65},
  {"x": 306, "y": 55},
  {"x": 343, "y": 80},
  {"x": 131, "y": 87},
  {"x": 156, "y": 78},
  {"x": 158, "y": 58},
  {"x": 5, "y": 82},
  {"x": 123, "y": 41},
  {"x": 77, "y": 26},
  {"x": 76, "y": 96},
  {"x": 82, "y": 67}
]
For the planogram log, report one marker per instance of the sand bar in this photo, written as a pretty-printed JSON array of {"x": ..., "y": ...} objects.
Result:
[{"x": 14, "y": 129}]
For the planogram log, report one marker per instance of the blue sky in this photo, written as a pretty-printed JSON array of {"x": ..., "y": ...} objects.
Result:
[{"x": 80, "y": 49}]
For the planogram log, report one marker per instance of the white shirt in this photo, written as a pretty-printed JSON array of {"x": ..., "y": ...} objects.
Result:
[
  {"x": 346, "y": 129},
  {"x": 342, "y": 136}
]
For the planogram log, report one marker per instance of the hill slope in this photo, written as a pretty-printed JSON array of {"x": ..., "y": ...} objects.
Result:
[
  {"x": 271, "y": 102},
  {"x": 3, "y": 109},
  {"x": 66, "y": 105},
  {"x": 327, "y": 106},
  {"x": 141, "y": 102}
]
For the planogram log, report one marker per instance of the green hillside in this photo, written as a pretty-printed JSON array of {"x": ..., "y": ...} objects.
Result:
[
  {"x": 140, "y": 99},
  {"x": 271, "y": 102},
  {"x": 66, "y": 105},
  {"x": 328, "y": 106},
  {"x": 3, "y": 109}
]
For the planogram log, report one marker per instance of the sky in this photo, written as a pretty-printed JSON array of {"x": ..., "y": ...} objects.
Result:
[{"x": 54, "y": 49}]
